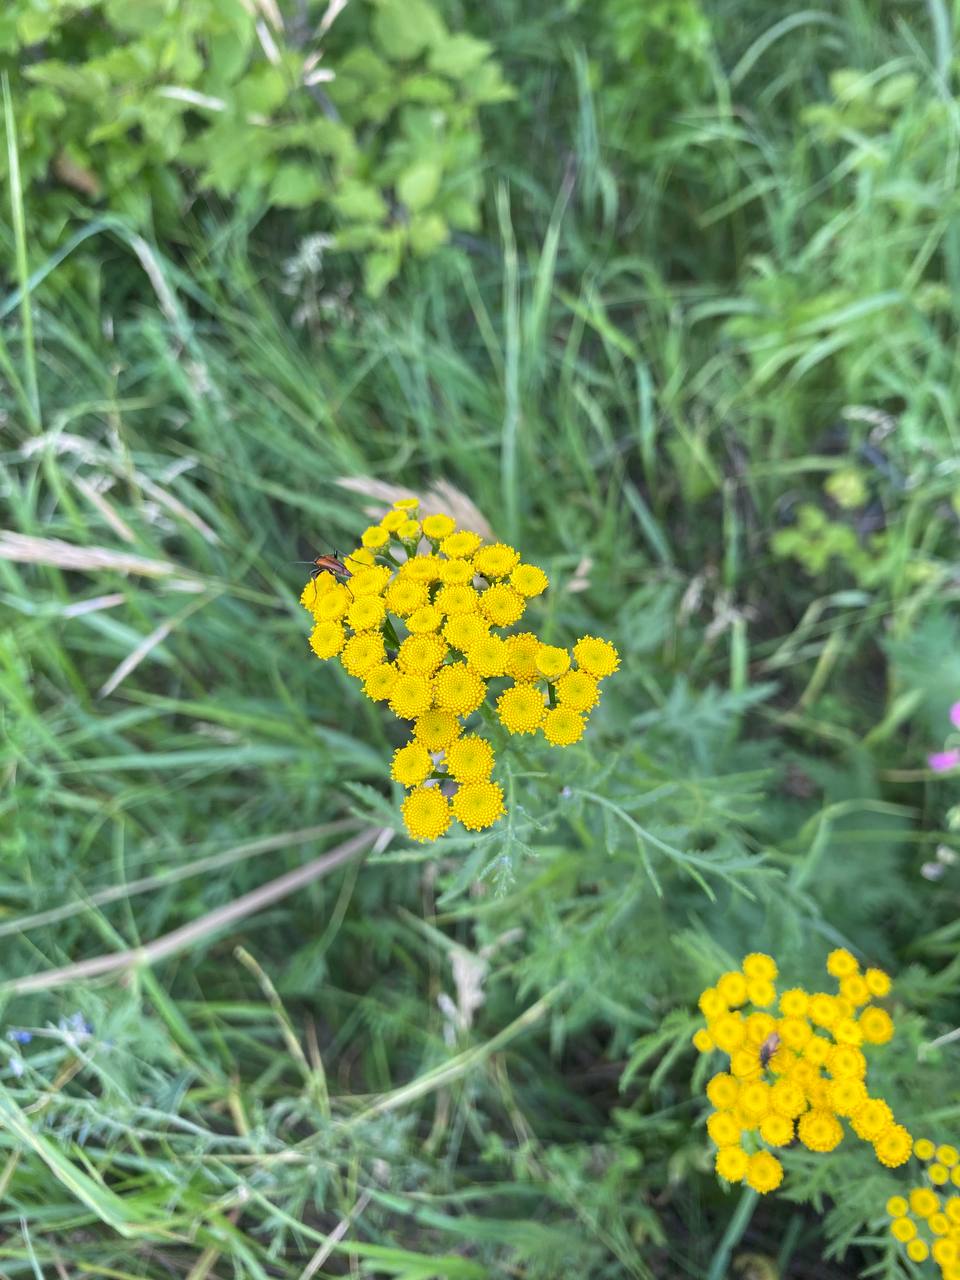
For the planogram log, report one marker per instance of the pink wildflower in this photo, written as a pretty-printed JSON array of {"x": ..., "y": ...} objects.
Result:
[
  {"x": 943, "y": 761},
  {"x": 955, "y": 715}
]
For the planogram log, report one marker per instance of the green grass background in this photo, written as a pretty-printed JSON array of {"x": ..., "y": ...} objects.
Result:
[{"x": 701, "y": 364}]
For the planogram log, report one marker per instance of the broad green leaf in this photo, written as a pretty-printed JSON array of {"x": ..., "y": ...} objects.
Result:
[
  {"x": 296, "y": 186},
  {"x": 427, "y": 232},
  {"x": 404, "y": 28},
  {"x": 457, "y": 56},
  {"x": 418, "y": 185},
  {"x": 379, "y": 269},
  {"x": 358, "y": 202}
]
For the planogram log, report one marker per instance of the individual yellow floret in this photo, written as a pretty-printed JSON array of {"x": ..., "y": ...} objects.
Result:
[
  {"x": 436, "y": 729},
  {"x": 855, "y": 989},
  {"x": 787, "y": 1098},
  {"x": 421, "y": 569},
  {"x": 327, "y": 639},
  {"x": 822, "y": 1009},
  {"x": 723, "y": 1091},
  {"x": 362, "y": 558},
  {"x": 312, "y": 591},
  {"x": 488, "y": 656},
  {"x": 470, "y": 759},
  {"x": 847, "y": 1031},
  {"x": 502, "y": 605},
  {"x": 457, "y": 598},
  {"x": 918, "y": 1250},
  {"x": 426, "y": 618},
  {"x": 393, "y": 520},
  {"x": 495, "y": 561},
  {"x": 732, "y": 987},
  {"x": 375, "y": 537},
  {"x": 938, "y": 1173},
  {"x": 759, "y": 1026},
  {"x": 924, "y": 1149},
  {"x": 577, "y": 691},
  {"x": 426, "y": 813},
  {"x": 729, "y": 1031},
  {"x": 465, "y": 629},
  {"x": 522, "y": 656},
  {"x": 362, "y": 652},
  {"x": 411, "y": 696},
  {"x": 952, "y": 1207},
  {"x": 761, "y": 993},
  {"x": 411, "y": 765},
  {"x": 876, "y": 1025},
  {"x": 407, "y": 504},
  {"x": 563, "y": 727},
  {"x": 794, "y": 1032},
  {"x": 409, "y": 532},
  {"x": 732, "y": 1163},
  {"x": 403, "y": 596},
  {"x": 552, "y": 661},
  {"x": 521, "y": 709},
  {"x": 745, "y": 1063},
  {"x": 458, "y": 688},
  {"x": 755, "y": 1099},
  {"x": 421, "y": 654},
  {"x": 757, "y": 965},
  {"x": 367, "y": 613},
  {"x": 529, "y": 580},
  {"x": 438, "y": 526},
  {"x": 764, "y": 1172},
  {"x": 939, "y": 1224},
  {"x": 332, "y": 604},
  {"x": 893, "y": 1146},
  {"x": 820, "y": 1130},
  {"x": 945, "y": 1252},
  {"x": 947, "y": 1154},
  {"x": 846, "y": 1094},
  {"x": 711, "y": 1003},
  {"x": 877, "y": 982},
  {"x": 478, "y": 804},
  {"x": 600, "y": 659},
  {"x": 897, "y": 1207},
  {"x": 460, "y": 545},
  {"x": 818, "y": 1049},
  {"x": 379, "y": 681},
  {"x": 724, "y": 1129},
  {"x": 703, "y": 1041}
]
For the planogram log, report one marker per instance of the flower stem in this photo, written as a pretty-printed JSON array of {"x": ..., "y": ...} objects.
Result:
[{"x": 733, "y": 1234}]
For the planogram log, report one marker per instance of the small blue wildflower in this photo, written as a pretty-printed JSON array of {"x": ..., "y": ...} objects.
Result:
[{"x": 19, "y": 1037}]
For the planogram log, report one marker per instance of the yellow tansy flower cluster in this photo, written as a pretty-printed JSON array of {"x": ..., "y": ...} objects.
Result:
[
  {"x": 926, "y": 1221},
  {"x": 797, "y": 1067},
  {"x": 419, "y": 614}
]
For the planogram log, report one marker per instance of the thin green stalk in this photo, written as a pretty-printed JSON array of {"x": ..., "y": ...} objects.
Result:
[
  {"x": 733, "y": 1234},
  {"x": 20, "y": 246}
]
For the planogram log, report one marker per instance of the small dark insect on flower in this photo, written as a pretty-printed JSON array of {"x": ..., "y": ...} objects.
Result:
[
  {"x": 769, "y": 1048},
  {"x": 331, "y": 564}
]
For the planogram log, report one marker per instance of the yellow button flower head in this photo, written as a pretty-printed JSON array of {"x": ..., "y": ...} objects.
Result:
[
  {"x": 818, "y": 1049},
  {"x": 776, "y": 1130},
  {"x": 577, "y": 690},
  {"x": 820, "y": 1130},
  {"x": 552, "y": 661},
  {"x": 924, "y": 1149},
  {"x": 458, "y": 688},
  {"x": 495, "y": 561},
  {"x": 529, "y": 580},
  {"x": 787, "y": 1098},
  {"x": 952, "y": 1207},
  {"x": 404, "y": 596},
  {"x": 502, "y": 605},
  {"x": 375, "y": 537},
  {"x": 724, "y": 1129},
  {"x": 711, "y": 1003},
  {"x": 729, "y": 1031},
  {"x": 362, "y": 653},
  {"x": 600, "y": 659},
  {"x": 876, "y": 1025},
  {"x": 488, "y": 656},
  {"x": 421, "y": 654},
  {"x": 409, "y": 531},
  {"x": 703, "y": 1041},
  {"x": 369, "y": 582},
  {"x": 438, "y": 526},
  {"x": 756, "y": 964},
  {"x": 521, "y": 709},
  {"x": 903, "y": 1229},
  {"x": 897, "y": 1207},
  {"x": 426, "y": 618},
  {"x": 732, "y": 987},
  {"x": 411, "y": 696},
  {"x": 456, "y": 572},
  {"x": 421, "y": 569},
  {"x": 764, "y": 1172},
  {"x": 407, "y": 504},
  {"x": 845, "y": 1060},
  {"x": 918, "y": 1250},
  {"x": 871, "y": 1119},
  {"x": 426, "y": 813},
  {"x": 759, "y": 1025},
  {"x": 793, "y": 1003},
  {"x": 522, "y": 652},
  {"x": 436, "y": 729},
  {"x": 367, "y": 613},
  {"x": 794, "y": 1032},
  {"x": 327, "y": 639},
  {"x": 840, "y": 963},
  {"x": 411, "y": 765},
  {"x": 332, "y": 604},
  {"x": 478, "y": 804},
  {"x": 938, "y": 1173},
  {"x": 848, "y": 1031},
  {"x": 755, "y": 1099},
  {"x": 759, "y": 991},
  {"x": 939, "y": 1224},
  {"x": 923, "y": 1202},
  {"x": 362, "y": 558},
  {"x": 855, "y": 989},
  {"x": 465, "y": 629},
  {"x": 311, "y": 592},
  {"x": 878, "y": 983},
  {"x": 470, "y": 759},
  {"x": 457, "y": 598},
  {"x": 723, "y": 1091},
  {"x": 846, "y": 1094},
  {"x": 732, "y": 1163},
  {"x": 745, "y": 1063},
  {"x": 822, "y": 1009},
  {"x": 458, "y": 546},
  {"x": 947, "y": 1155},
  {"x": 562, "y": 727},
  {"x": 393, "y": 520},
  {"x": 379, "y": 681},
  {"x": 893, "y": 1146}
]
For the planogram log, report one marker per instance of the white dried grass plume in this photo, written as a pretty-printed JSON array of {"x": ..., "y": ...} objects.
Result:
[
  {"x": 440, "y": 496},
  {"x": 21, "y": 548}
]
